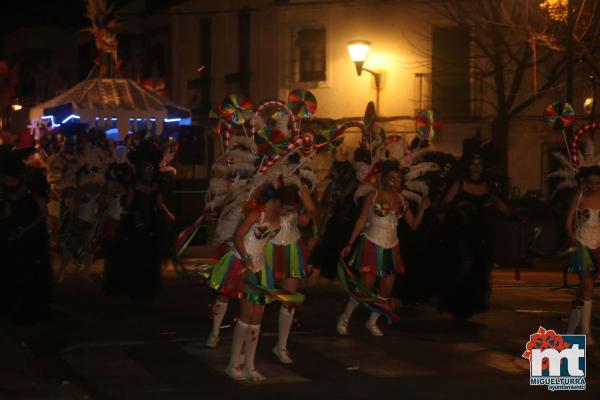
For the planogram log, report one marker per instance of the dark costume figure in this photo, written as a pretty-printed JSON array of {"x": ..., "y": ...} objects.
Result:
[
  {"x": 338, "y": 199},
  {"x": 415, "y": 245},
  {"x": 142, "y": 227},
  {"x": 24, "y": 242},
  {"x": 466, "y": 238},
  {"x": 118, "y": 177}
]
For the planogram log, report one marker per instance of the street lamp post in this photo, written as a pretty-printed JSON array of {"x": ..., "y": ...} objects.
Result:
[{"x": 359, "y": 50}]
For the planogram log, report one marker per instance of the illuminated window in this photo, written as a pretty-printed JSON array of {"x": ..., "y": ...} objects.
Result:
[{"x": 311, "y": 55}]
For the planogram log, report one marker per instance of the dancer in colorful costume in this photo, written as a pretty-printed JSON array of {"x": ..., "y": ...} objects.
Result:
[
  {"x": 377, "y": 252},
  {"x": 583, "y": 228},
  {"x": 81, "y": 242},
  {"x": 274, "y": 147},
  {"x": 286, "y": 258},
  {"x": 244, "y": 266},
  {"x": 228, "y": 191},
  {"x": 581, "y": 172}
]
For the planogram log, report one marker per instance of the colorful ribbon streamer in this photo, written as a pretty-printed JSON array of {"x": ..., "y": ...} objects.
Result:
[
  {"x": 276, "y": 293},
  {"x": 185, "y": 237},
  {"x": 199, "y": 269},
  {"x": 364, "y": 295},
  {"x": 537, "y": 231}
]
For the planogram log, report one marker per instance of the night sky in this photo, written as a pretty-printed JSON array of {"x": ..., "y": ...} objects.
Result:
[{"x": 65, "y": 13}]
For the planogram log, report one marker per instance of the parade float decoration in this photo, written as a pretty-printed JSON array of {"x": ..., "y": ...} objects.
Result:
[
  {"x": 104, "y": 28},
  {"x": 113, "y": 104},
  {"x": 116, "y": 105}
]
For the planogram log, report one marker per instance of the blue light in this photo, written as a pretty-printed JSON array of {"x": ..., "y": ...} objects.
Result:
[
  {"x": 153, "y": 119},
  {"x": 167, "y": 120},
  {"x": 114, "y": 119},
  {"x": 97, "y": 118},
  {"x": 70, "y": 117},
  {"x": 186, "y": 121},
  {"x": 113, "y": 134},
  {"x": 51, "y": 118}
]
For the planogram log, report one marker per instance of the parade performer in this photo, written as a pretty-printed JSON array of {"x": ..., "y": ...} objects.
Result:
[
  {"x": 246, "y": 260},
  {"x": 467, "y": 235},
  {"x": 118, "y": 177},
  {"x": 226, "y": 194},
  {"x": 229, "y": 176},
  {"x": 583, "y": 228},
  {"x": 377, "y": 252},
  {"x": 341, "y": 212},
  {"x": 286, "y": 255},
  {"x": 142, "y": 231},
  {"x": 81, "y": 237},
  {"x": 80, "y": 245}
]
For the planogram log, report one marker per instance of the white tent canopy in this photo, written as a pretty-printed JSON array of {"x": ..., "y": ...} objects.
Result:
[{"x": 120, "y": 104}]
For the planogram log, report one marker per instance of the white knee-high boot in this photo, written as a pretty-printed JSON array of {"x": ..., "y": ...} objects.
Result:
[
  {"x": 240, "y": 333},
  {"x": 286, "y": 317},
  {"x": 250, "y": 346},
  {"x": 219, "y": 311},
  {"x": 344, "y": 318},
  {"x": 350, "y": 307},
  {"x": 372, "y": 324}
]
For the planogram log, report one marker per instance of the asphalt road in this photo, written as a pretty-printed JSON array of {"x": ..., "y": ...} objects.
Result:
[{"x": 102, "y": 347}]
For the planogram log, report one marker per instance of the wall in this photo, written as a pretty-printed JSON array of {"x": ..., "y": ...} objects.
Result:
[{"x": 400, "y": 48}]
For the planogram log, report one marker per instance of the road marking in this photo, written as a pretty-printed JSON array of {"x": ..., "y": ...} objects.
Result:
[{"x": 531, "y": 311}]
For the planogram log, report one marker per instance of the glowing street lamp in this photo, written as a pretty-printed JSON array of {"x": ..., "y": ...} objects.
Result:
[{"x": 359, "y": 51}]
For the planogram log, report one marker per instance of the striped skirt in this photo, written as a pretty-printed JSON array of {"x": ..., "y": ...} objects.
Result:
[
  {"x": 368, "y": 258},
  {"x": 286, "y": 261},
  {"x": 585, "y": 260},
  {"x": 226, "y": 279}
]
